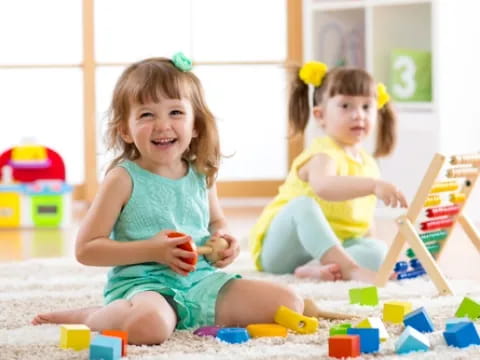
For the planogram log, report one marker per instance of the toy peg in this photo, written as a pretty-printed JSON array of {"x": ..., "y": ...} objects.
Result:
[
  {"x": 294, "y": 321},
  {"x": 311, "y": 309},
  {"x": 212, "y": 249}
]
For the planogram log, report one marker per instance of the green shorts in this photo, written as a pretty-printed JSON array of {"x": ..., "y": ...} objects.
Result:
[{"x": 195, "y": 307}]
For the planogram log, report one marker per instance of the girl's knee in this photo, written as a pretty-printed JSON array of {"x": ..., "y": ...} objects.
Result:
[
  {"x": 292, "y": 300},
  {"x": 148, "y": 327}
]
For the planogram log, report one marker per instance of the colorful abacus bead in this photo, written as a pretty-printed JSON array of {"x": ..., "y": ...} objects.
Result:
[
  {"x": 436, "y": 224},
  {"x": 442, "y": 211}
]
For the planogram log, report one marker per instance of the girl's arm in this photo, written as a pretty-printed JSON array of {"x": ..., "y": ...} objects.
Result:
[
  {"x": 94, "y": 247},
  {"x": 320, "y": 172},
  {"x": 218, "y": 227}
]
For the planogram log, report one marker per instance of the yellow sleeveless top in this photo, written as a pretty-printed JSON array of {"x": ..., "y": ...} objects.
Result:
[{"x": 348, "y": 219}]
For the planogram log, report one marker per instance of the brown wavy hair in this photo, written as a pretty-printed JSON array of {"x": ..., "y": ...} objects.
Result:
[
  {"x": 344, "y": 81},
  {"x": 145, "y": 81}
]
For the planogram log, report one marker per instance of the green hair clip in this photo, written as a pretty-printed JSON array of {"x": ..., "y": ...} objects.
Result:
[{"x": 182, "y": 62}]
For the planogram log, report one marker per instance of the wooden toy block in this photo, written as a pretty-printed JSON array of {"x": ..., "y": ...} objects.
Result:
[
  {"x": 340, "y": 329},
  {"x": 207, "y": 331},
  {"x": 411, "y": 340},
  {"x": 233, "y": 335},
  {"x": 120, "y": 334},
  {"x": 295, "y": 321},
  {"x": 419, "y": 320},
  {"x": 266, "y": 330},
  {"x": 373, "y": 322},
  {"x": 105, "y": 348},
  {"x": 462, "y": 335},
  {"x": 394, "y": 311},
  {"x": 74, "y": 336},
  {"x": 364, "y": 296},
  {"x": 469, "y": 308},
  {"x": 311, "y": 309},
  {"x": 452, "y": 322},
  {"x": 369, "y": 339},
  {"x": 340, "y": 346}
]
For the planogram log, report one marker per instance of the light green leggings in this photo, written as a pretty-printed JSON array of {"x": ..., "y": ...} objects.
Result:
[{"x": 300, "y": 233}]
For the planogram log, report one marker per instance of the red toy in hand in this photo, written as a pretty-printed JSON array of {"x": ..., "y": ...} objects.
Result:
[{"x": 188, "y": 246}]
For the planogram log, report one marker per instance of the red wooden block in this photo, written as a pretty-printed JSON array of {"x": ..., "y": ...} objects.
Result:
[
  {"x": 120, "y": 334},
  {"x": 340, "y": 346},
  {"x": 189, "y": 246}
]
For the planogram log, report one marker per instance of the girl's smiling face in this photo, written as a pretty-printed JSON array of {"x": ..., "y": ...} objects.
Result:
[{"x": 162, "y": 132}]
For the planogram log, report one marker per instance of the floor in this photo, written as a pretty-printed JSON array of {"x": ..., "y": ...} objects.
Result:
[{"x": 460, "y": 259}]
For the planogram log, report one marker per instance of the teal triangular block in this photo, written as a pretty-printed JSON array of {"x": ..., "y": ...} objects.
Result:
[{"x": 411, "y": 340}]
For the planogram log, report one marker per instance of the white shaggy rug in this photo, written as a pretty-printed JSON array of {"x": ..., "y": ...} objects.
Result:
[{"x": 34, "y": 286}]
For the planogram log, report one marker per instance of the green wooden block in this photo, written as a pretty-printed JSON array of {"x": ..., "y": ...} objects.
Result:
[
  {"x": 341, "y": 329},
  {"x": 469, "y": 308},
  {"x": 411, "y": 75},
  {"x": 364, "y": 296}
]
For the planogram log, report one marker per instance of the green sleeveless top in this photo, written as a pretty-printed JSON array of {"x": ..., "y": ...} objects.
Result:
[{"x": 158, "y": 203}]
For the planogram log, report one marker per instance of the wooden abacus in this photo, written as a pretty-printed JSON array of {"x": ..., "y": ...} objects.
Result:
[{"x": 427, "y": 245}]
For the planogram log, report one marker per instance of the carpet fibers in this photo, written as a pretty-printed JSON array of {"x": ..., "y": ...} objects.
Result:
[{"x": 34, "y": 286}]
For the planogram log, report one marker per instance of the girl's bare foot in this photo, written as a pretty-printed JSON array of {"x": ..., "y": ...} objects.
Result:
[
  {"x": 330, "y": 272},
  {"x": 77, "y": 316},
  {"x": 360, "y": 274}
]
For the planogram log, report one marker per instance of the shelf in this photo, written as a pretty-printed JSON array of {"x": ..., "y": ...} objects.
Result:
[
  {"x": 415, "y": 106},
  {"x": 353, "y": 4}
]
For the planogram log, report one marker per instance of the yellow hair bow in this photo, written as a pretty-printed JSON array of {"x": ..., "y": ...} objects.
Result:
[
  {"x": 313, "y": 73},
  {"x": 382, "y": 95}
]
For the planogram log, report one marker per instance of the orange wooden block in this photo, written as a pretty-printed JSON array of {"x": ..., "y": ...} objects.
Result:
[
  {"x": 340, "y": 346},
  {"x": 120, "y": 334}
]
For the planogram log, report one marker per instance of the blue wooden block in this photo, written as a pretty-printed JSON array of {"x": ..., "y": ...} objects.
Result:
[
  {"x": 233, "y": 335},
  {"x": 462, "y": 335},
  {"x": 419, "y": 320},
  {"x": 452, "y": 322},
  {"x": 105, "y": 348},
  {"x": 401, "y": 266},
  {"x": 369, "y": 339},
  {"x": 415, "y": 264},
  {"x": 411, "y": 340}
]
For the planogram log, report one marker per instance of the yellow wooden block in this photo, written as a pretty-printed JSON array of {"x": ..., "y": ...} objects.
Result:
[
  {"x": 9, "y": 209},
  {"x": 394, "y": 311},
  {"x": 75, "y": 337},
  {"x": 295, "y": 321},
  {"x": 29, "y": 153},
  {"x": 266, "y": 330},
  {"x": 374, "y": 323}
]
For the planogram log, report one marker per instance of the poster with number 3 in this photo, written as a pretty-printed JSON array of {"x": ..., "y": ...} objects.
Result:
[{"x": 411, "y": 75}]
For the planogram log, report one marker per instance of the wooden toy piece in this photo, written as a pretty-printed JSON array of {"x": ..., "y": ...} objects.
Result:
[
  {"x": 369, "y": 339},
  {"x": 74, "y": 336},
  {"x": 472, "y": 159},
  {"x": 419, "y": 320},
  {"x": 123, "y": 335},
  {"x": 340, "y": 329},
  {"x": 443, "y": 211},
  {"x": 462, "y": 335},
  {"x": 207, "y": 331},
  {"x": 189, "y": 246},
  {"x": 266, "y": 330},
  {"x": 295, "y": 321},
  {"x": 407, "y": 232},
  {"x": 454, "y": 321},
  {"x": 233, "y": 335},
  {"x": 394, "y": 311},
  {"x": 342, "y": 346},
  {"x": 373, "y": 322},
  {"x": 212, "y": 249},
  {"x": 364, "y": 296},
  {"x": 443, "y": 186},
  {"x": 311, "y": 309},
  {"x": 462, "y": 172},
  {"x": 105, "y": 348},
  {"x": 469, "y": 308},
  {"x": 411, "y": 340}
]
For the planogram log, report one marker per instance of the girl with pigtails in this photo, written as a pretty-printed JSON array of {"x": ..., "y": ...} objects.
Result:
[{"x": 319, "y": 224}]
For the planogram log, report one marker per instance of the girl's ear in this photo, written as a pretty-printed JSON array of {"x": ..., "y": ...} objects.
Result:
[
  {"x": 318, "y": 113},
  {"x": 125, "y": 135}
]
